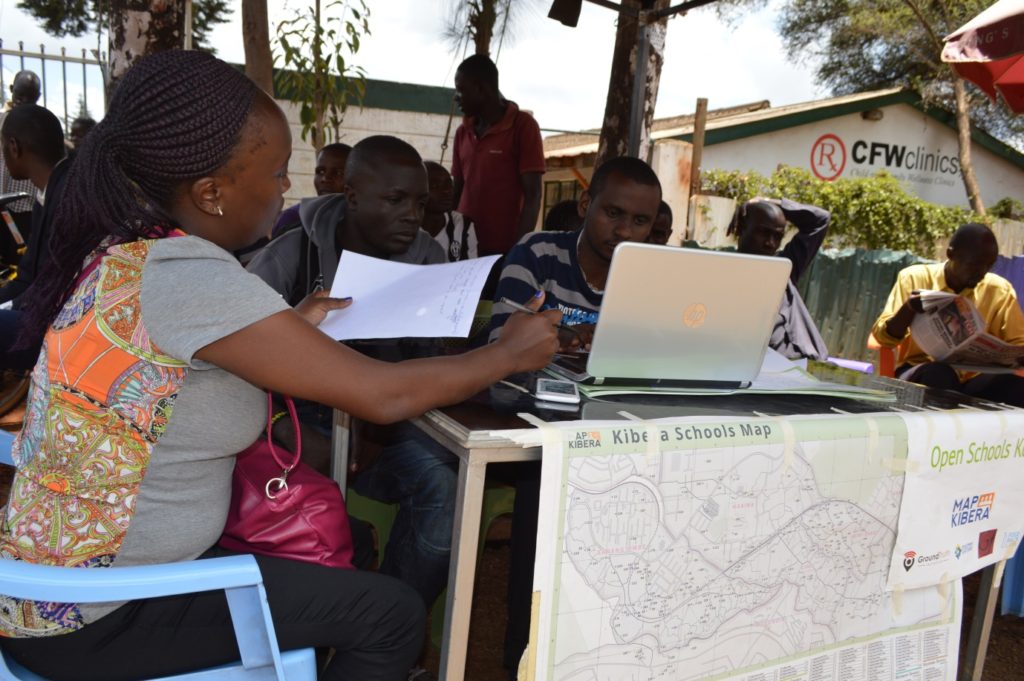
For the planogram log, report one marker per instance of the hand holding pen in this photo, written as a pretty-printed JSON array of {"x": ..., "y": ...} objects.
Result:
[
  {"x": 570, "y": 337},
  {"x": 531, "y": 338}
]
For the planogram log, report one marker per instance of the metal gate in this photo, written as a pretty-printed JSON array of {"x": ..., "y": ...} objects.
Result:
[{"x": 85, "y": 71}]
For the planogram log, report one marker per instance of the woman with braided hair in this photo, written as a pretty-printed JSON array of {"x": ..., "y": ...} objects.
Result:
[{"x": 157, "y": 349}]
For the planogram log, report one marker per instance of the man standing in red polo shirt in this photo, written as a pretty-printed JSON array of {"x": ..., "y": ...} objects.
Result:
[{"x": 499, "y": 158}]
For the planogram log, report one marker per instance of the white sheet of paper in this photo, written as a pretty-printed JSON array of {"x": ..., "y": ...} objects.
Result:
[
  {"x": 399, "y": 300},
  {"x": 775, "y": 362}
]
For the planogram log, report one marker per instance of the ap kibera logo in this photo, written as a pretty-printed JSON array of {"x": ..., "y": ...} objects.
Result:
[{"x": 585, "y": 440}]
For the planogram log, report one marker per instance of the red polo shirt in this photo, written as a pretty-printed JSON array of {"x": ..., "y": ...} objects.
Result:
[{"x": 490, "y": 166}]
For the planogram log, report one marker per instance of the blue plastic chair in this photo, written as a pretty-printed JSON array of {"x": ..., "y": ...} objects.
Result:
[
  {"x": 238, "y": 576},
  {"x": 1013, "y": 586}
]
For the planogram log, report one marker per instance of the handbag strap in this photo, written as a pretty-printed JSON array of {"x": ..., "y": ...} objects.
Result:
[{"x": 290, "y": 405}]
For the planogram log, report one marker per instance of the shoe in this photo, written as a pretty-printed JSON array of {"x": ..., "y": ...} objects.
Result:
[{"x": 421, "y": 674}]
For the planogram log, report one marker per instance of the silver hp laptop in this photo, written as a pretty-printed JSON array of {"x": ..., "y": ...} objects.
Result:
[{"x": 681, "y": 317}]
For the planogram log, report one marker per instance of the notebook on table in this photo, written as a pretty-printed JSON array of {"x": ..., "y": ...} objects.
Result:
[{"x": 681, "y": 317}]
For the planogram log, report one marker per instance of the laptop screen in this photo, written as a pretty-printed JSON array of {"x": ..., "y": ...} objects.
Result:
[{"x": 686, "y": 314}]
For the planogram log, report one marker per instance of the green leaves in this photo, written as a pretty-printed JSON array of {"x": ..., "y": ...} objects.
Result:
[
  {"x": 871, "y": 213},
  {"x": 77, "y": 17},
  {"x": 315, "y": 64},
  {"x": 1007, "y": 208}
]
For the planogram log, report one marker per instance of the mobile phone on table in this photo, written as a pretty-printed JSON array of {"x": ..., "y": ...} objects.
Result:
[{"x": 553, "y": 390}]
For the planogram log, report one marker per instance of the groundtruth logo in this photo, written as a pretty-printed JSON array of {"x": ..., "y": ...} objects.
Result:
[
  {"x": 971, "y": 509},
  {"x": 908, "y": 560}
]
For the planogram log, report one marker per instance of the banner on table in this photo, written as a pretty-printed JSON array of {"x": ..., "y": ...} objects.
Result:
[
  {"x": 962, "y": 505},
  {"x": 743, "y": 549}
]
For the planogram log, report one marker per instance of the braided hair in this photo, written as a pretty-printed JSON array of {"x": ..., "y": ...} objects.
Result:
[{"x": 175, "y": 117}]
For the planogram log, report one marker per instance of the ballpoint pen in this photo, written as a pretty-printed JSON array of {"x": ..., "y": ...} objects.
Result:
[{"x": 522, "y": 308}]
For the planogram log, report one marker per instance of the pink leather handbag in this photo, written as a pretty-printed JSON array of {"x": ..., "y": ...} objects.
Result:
[{"x": 281, "y": 507}]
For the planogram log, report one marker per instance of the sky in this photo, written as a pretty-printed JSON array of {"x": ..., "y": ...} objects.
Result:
[{"x": 558, "y": 73}]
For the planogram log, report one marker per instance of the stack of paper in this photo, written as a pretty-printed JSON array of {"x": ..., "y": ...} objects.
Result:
[{"x": 777, "y": 375}]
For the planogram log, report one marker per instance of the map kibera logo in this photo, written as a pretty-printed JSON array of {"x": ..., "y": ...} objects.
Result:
[
  {"x": 908, "y": 560},
  {"x": 585, "y": 440},
  {"x": 971, "y": 509}
]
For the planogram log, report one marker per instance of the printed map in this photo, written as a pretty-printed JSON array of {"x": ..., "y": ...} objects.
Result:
[{"x": 750, "y": 549}]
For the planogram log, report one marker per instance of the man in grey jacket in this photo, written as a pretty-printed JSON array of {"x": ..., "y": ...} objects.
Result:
[{"x": 379, "y": 215}]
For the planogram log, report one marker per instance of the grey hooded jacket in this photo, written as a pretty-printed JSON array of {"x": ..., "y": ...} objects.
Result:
[{"x": 279, "y": 262}]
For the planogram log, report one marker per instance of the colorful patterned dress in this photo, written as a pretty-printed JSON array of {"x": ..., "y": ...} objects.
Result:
[
  {"x": 105, "y": 476},
  {"x": 101, "y": 397}
]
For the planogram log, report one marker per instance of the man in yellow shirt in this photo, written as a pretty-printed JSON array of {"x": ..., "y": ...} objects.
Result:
[{"x": 971, "y": 254}]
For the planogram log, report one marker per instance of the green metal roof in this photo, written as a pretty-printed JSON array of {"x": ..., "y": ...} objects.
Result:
[{"x": 386, "y": 94}]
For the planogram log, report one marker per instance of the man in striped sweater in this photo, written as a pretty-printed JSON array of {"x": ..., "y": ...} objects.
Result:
[{"x": 572, "y": 267}]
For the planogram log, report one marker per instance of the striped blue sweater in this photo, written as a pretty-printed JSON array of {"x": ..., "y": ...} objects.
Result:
[{"x": 546, "y": 260}]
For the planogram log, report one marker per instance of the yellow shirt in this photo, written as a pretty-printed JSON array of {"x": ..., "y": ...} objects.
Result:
[{"x": 993, "y": 296}]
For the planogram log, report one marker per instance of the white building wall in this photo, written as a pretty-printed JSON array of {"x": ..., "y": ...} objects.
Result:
[
  {"x": 672, "y": 160},
  {"x": 918, "y": 150},
  {"x": 423, "y": 131}
]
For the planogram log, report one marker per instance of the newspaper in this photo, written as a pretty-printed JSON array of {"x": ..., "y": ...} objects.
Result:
[{"x": 952, "y": 331}]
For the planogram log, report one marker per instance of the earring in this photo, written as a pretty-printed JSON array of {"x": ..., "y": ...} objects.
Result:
[{"x": 220, "y": 211}]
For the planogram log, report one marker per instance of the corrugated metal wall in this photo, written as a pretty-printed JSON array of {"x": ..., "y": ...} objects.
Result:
[
  {"x": 1012, "y": 268},
  {"x": 845, "y": 291}
]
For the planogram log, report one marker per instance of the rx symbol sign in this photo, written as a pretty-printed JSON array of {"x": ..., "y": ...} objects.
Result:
[{"x": 828, "y": 157}]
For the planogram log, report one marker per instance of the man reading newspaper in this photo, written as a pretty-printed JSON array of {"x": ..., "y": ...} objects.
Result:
[{"x": 957, "y": 313}]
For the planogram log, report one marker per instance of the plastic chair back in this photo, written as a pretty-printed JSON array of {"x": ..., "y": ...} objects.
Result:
[
  {"x": 238, "y": 576},
  {"x": 886, "y": 358},
  {"x": 6, "y": 443}
]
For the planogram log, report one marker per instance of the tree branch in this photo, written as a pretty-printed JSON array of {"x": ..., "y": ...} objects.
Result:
[{"x": 924, "y": 22}]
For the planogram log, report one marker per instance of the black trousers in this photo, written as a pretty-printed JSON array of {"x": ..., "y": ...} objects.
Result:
[
  {"x": 1005, "y": 388},
  {"x": 22, "y": 359},
  {"x": 375, "y": 624}
]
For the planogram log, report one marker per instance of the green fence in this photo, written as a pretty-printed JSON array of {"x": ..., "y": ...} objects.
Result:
[{"x": 845, "y": 291}]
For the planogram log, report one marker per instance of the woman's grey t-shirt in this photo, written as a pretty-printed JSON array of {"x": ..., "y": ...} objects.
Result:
[{"x": 194, "y": 293}]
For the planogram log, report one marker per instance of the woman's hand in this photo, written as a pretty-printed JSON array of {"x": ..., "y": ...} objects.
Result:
[
  {"x": 531, "y": 340},
  {"x": 316, "y": 305}
]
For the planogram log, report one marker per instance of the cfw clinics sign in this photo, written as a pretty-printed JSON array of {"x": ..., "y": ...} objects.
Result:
[
  {"x": 907, "y": 162},
  {"x": 918, "y": 150}
]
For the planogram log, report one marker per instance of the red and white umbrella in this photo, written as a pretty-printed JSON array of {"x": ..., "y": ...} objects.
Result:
[{"x": 989, "y": 51}]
